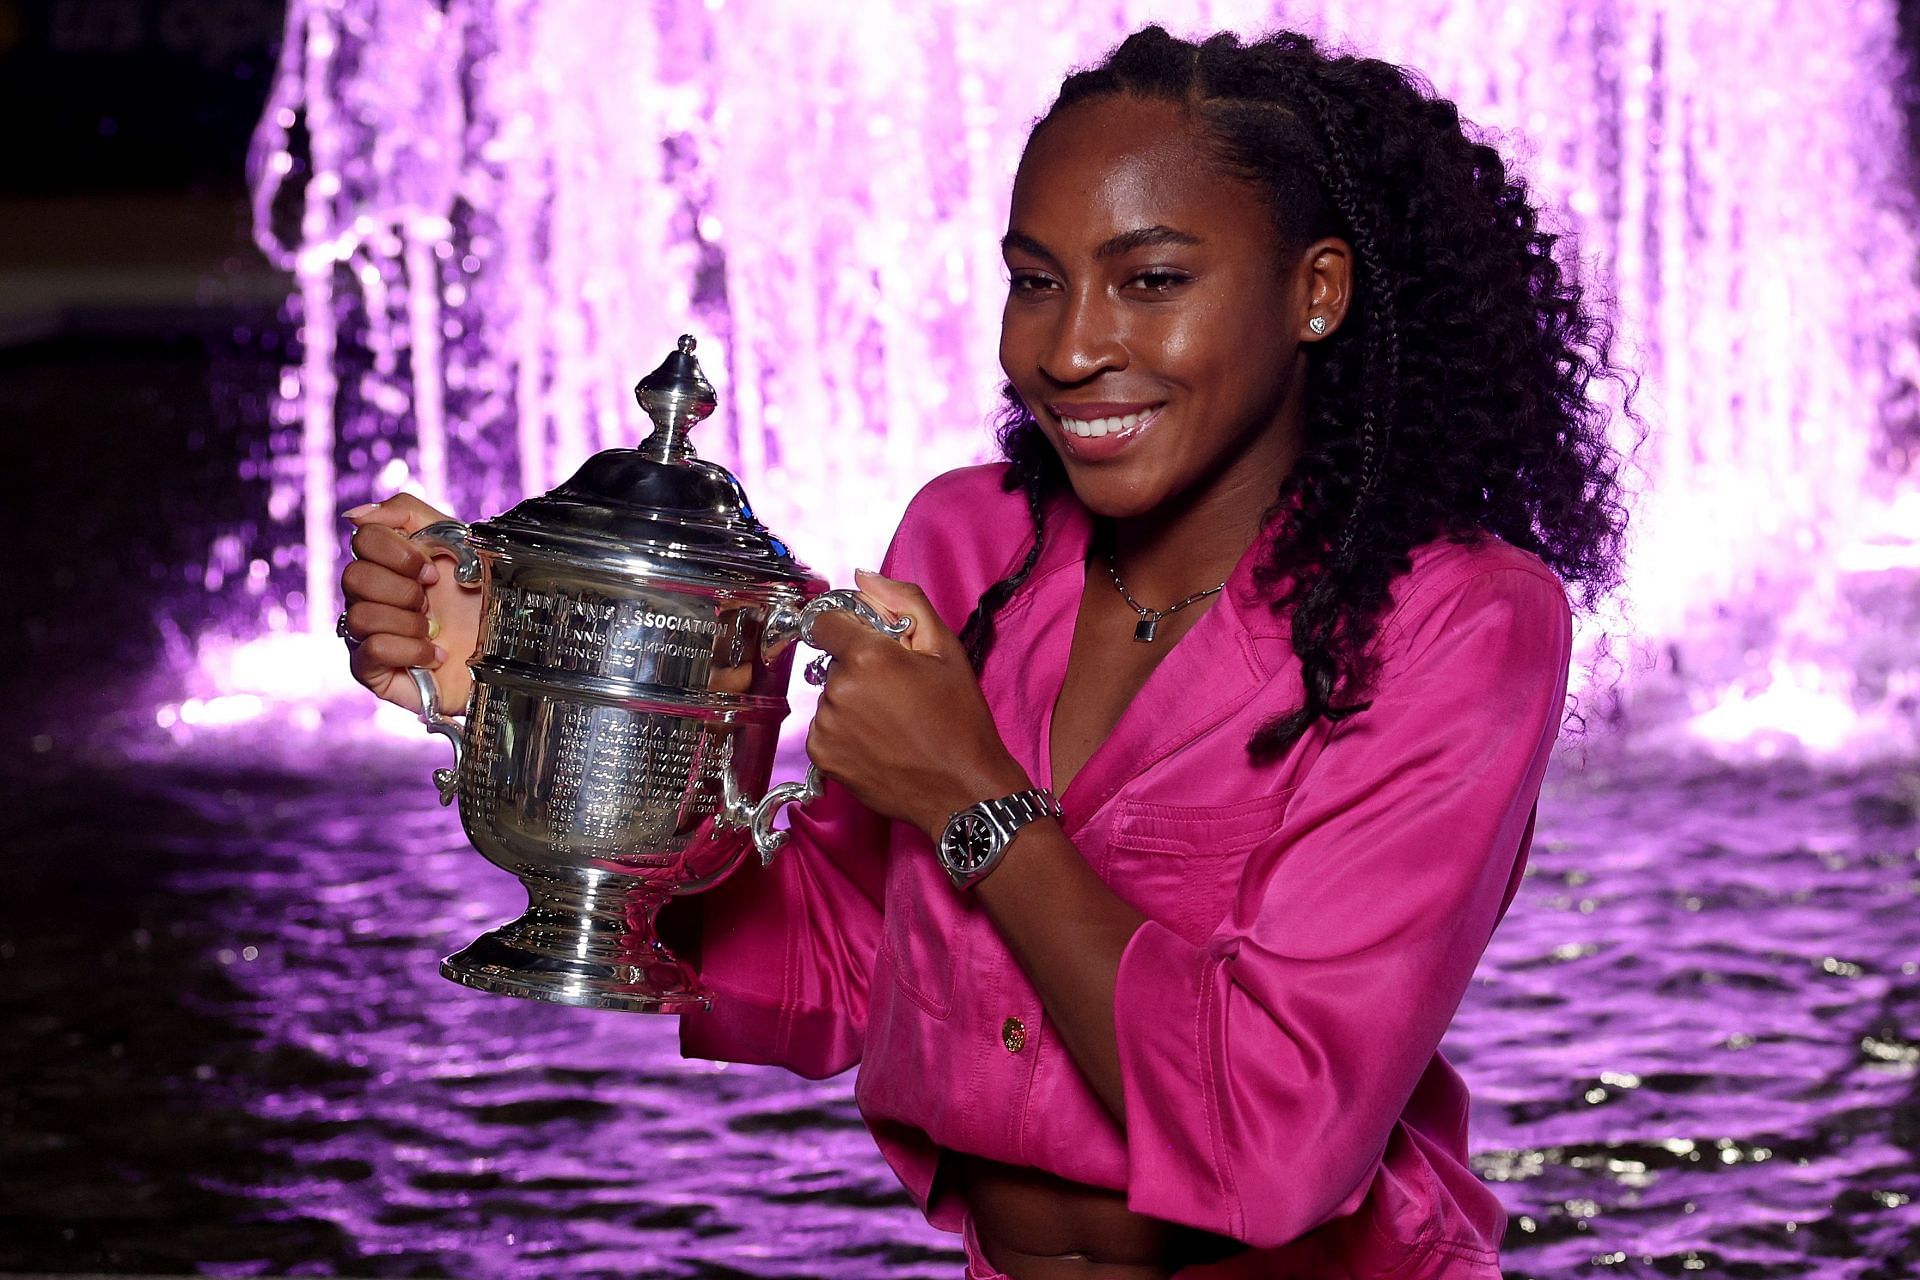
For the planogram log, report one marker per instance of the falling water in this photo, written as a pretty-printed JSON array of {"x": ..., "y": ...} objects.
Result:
[{"x": 500, "y": 212}]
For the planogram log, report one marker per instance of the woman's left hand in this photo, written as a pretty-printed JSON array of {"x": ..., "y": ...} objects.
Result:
[{"x": 903, "y": 725}]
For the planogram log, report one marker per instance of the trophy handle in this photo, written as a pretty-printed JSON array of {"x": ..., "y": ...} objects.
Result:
[
  {"x": 450, "y": 536},
  {"x": 787, "y": 621}
]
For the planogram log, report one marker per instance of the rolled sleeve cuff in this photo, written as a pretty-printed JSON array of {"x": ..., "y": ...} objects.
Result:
[
  {"x": 815, "y": 1043},
  {"x": 1176, "y": 1166}
]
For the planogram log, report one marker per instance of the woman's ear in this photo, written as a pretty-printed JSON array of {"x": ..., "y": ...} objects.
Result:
[{"x": 1326, "y": 268}]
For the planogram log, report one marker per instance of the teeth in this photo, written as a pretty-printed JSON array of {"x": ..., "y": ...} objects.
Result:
[{"x": 1090, "y": 428}]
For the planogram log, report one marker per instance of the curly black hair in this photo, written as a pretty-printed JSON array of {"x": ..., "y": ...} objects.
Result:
[{"x": 1455, "y": 399}]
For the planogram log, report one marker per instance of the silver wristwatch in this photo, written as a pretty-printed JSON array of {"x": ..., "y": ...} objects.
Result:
[{"x": 976, "y": 838}]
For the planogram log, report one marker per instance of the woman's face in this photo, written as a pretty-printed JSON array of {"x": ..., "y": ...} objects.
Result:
[{"x": 1150, "y": 325}]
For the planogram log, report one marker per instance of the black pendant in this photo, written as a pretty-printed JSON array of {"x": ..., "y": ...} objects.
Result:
[{"x": 1144, "y": 629}]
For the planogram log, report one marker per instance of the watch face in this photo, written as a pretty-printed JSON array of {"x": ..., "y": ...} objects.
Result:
[{"x": 967, "y": 841}]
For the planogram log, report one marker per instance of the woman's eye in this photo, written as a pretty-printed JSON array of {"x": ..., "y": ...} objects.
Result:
[
  {"x": 1028, "y": 282},
  {"x": 1160, "y": 281}
]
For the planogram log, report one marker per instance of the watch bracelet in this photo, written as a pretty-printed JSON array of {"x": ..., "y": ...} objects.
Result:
[{"x": 1034, "y": 804}]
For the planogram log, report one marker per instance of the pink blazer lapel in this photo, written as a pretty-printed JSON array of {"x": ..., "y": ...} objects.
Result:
[
  {"x": 1207, "y": 676},
  {"x": 1202, "y": 680}
]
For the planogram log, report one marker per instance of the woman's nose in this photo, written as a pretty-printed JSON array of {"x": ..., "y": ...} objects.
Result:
[{"x": 1085, "y": 341}]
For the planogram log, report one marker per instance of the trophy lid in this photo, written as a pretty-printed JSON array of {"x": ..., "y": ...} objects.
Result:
[{"x": 658, "y": 510}]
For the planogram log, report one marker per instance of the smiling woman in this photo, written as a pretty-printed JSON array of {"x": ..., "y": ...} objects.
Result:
[
  {"x": 1153, "y": 866},
  {"x": 1140, "y": 283}
]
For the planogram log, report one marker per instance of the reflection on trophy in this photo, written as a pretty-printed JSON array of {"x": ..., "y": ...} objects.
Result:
[{"x": 637, "y": 633}]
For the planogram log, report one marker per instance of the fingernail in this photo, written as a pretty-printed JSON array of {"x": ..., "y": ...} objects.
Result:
[
  {"x": 439, "y": 654},
  {"x": 354, "y": 513},
  {"x": 866, "y": 573},
  {"x": 433, "y": 627},
  {"x": 429, "y": 574}
]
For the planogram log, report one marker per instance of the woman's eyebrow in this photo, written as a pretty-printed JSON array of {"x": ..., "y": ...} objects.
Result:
[
  {"x": 1125, "y": 242},
  {"x": 1021, "y": 242},
  {"x": 1143, "y": 238}
]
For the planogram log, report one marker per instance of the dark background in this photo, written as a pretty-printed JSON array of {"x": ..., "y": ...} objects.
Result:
[{"x": 141, "y": 335}]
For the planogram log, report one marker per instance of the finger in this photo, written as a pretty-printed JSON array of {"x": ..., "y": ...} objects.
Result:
[
  {"x": 841, "y": 634},
  {"x": 822, "y": 749},
  {"x": 906, "y": 600},
  {"x": 382, "y": 653},
  {"x": 402, "y": 511},
  {"x": 365, "y": 580},
  {"x": 816, "y": 742},
  {"x": 386, "y": 547},
  {"x": 387, "y": 683},
  {"x": 366, "y": 620}
]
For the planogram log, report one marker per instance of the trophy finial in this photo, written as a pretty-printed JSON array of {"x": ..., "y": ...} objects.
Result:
[{"x": 675, "y": 396}]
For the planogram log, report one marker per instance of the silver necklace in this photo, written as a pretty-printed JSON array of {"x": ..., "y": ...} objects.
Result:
[{"x": 1143, "y": 630}]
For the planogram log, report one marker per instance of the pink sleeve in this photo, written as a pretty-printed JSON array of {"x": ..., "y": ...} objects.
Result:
[
  {"x": 1264, "y": 1070},
  {"x": 789, "y": 949}
]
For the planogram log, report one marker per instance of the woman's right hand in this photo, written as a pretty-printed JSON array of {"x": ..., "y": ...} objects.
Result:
[{"x": 404, "y": 609}]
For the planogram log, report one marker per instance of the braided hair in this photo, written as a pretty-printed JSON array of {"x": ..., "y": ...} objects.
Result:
[{"x": 1453, "y": 400}]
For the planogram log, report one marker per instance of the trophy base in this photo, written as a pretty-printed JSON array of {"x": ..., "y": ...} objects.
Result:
[{"x": 585, "y": 944}]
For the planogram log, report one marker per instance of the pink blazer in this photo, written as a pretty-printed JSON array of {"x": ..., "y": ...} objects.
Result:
[{"x": 1312, "y": 923}]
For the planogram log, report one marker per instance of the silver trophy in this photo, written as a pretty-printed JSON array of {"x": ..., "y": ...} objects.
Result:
[{"x": 638, "y": 627}]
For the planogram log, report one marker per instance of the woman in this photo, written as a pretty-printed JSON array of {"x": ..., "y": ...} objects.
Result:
[{"x": 1270, "y": 595}]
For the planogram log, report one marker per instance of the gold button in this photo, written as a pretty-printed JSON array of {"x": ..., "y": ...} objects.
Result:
[{"x": 1013, "y": 1034}]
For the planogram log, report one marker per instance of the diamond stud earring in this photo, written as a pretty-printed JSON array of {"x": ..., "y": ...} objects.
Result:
[{"x": 1318, "y": 324}]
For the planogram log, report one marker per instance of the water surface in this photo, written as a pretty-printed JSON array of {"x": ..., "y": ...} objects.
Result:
[{"x": 228, "y": 1050}]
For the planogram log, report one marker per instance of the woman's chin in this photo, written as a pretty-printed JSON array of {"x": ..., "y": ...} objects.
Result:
[{"x": 1112, "y": 497}]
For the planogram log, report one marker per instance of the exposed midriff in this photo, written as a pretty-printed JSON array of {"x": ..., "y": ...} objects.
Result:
[{"x": 1036, "y": 1226}]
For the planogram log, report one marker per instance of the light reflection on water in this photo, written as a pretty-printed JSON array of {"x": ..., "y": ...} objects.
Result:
[{"x": 228, "y": 1048}]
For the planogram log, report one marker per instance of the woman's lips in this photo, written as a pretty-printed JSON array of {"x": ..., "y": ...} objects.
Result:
[{"x": 1096, "y": 432}]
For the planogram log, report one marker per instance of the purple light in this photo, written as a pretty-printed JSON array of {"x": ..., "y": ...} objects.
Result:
[{"x": 508, "y": 209}]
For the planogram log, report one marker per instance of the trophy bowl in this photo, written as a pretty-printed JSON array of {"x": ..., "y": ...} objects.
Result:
[{"x": 638, "y": 627}]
